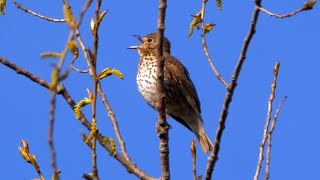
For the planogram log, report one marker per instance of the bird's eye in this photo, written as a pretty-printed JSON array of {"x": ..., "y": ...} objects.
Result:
[{"x": 150, "y": 40}]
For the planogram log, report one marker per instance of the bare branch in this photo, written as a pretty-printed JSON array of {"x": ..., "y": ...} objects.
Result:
[
  {"x": 271, "y": 129},
  {"x": 162, "y": 125},
  {"x": 266, "y": 126},
  {"x": 228, "y": 97},
  {"x": 36, "y": 14},
  {"x": 194, "y": 159},
  {"x": 205, "y": 48},
  {"x": 280, "y": 15},
  {"x": 61, "y": 90},
  {"x": 114, "y": 123},
  {"x": 50, "y": 132}
]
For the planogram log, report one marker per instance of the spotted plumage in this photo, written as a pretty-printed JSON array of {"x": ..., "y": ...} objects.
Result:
[{"x": 182, "y": 102}]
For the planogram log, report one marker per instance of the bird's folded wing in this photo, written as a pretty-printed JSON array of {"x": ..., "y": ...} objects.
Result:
[{"x": 182, "y": 81}]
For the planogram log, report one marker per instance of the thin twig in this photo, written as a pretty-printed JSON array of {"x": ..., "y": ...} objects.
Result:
[
  {"x": 85, "y": 51},
  {"x": 52, "y": 109},
  {"x": 95, "y": 32},
  {"x": 205, "y": 47},
  {"x": 58, "y": 68},
  {"x": 83, "y": 11},
  {"x": 78, "y": 70},
  {"x": 61, "y": 90},
  {"x": 162, "y": 124},
  {"x": 280, "y": 15},
  {"x": 36, "y": 14},
  {"x": 114, "y": 123},
  {"x": 268, "y": 153},
  {"x": 266, "y": 126},
  {"x": 228, "y": 97},
  {"x": 105, "y": 101},
  {"x": 25, "y": 153},
  {"x": 194, "y": 159},
  {"x": 95, "y": 89},
  {"x": 50, "y": 132}
]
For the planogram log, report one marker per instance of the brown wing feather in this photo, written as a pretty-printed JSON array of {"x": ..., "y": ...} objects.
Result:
[{"x": 183, "y": 81}]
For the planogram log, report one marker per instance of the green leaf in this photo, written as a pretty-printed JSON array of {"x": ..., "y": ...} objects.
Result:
[
  {"x": 68, "y": 15},
  {"x": 195, "y": 23},
  {"x": 208, "y": 28},
  {"x": 108, "y": 71}
]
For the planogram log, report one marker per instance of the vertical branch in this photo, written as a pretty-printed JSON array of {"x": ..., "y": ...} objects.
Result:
[
  {"x": 228, "y": 97},
  {"x": 53, "y": 105},
  {"x": 95, "y": 88},
  {"x": 268, "y": 153},
  {"x": 162, "y": 125},
  {"x": 266, "y": 126},
  {"x": 50, "y": 132},
  {"x": 194, "y": 159}
]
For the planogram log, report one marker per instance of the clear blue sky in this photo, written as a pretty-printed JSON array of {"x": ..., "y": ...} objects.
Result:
[{"x": 293, "y": 41}]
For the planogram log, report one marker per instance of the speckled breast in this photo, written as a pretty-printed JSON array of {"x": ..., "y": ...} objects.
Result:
[{"x": 147, "y": 79}]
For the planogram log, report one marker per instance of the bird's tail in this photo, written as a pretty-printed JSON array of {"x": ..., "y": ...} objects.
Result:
[{"x": 205, "y": 142}]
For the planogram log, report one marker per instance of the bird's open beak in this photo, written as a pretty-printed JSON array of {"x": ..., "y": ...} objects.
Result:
[{"x": 136, "y": 47}]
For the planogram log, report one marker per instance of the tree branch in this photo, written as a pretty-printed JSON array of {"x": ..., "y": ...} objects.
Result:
[
  {"x": 228, "y": 97},
  {"x": 205, "y": 47},
  {"x": 281, "y": 16},
  {"x": 273, "y": 123},
  {"x": 114, "y": 123},
  {"x": 36, "y": 14},
  {"x": 162, "y": 125},
  {"x": 61, "y": 90},
  {"x": 266, "y": 126}
]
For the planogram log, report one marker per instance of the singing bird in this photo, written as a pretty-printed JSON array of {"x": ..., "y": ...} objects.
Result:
[{"x": 182, "y": 102}]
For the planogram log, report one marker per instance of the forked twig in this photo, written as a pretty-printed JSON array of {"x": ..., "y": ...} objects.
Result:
[
  {"x": 266, "y": 126},
  {"x": 268, "y": 153}
]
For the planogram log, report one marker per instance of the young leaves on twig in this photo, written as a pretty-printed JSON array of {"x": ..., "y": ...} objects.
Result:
[
  {"x": 93, "y": 131},
  {"x": 108, "y": 71},
  {"x": 101, "y": 15},
  {"x": 68, "y": 15},
  {"x": 73, "y": 47},
  {"x": 2, "y": 6},
  {"x": 25, "y": 153},
  {"x": 309, "y": 5},
  {"x": 55, "y": 175},
  {"x": 88, "y": 176},
  {"x": 195, "y": 23},
  {"x": 84, "y": 138},
  {"x": 54, "y": 79},
  {"x": 113, "y": 145},
  {"x": 93, "y": 24},
  {"x": 82, "y": 103},
  {"x": 208, "y": 28}
]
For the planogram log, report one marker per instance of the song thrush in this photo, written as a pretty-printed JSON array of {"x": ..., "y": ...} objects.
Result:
[{"x": 182, "y": 102}]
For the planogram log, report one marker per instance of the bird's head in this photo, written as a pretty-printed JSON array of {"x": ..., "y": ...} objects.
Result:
[{"x": 148, "y": 46}]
